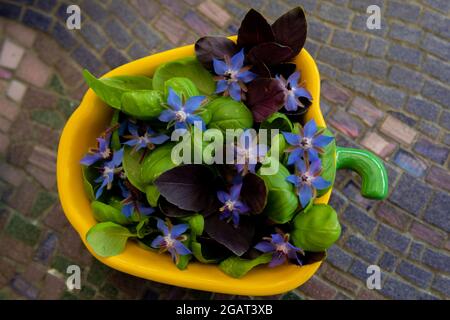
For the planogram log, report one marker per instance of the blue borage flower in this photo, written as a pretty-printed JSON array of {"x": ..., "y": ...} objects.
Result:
[
  {"x": 307, "y": 180},
  {"x": 232, "y": 75},
  {"x": 308, "y": 142},
  {"x": 171, "y": 240},
  {"x": 148, "y": 140},
  {"x": 281, "y": 248},
  {"x": 182, "y": 115},
  {"x": 109, "y": 169},
  {"x": 232, "y": 207},
  {"x": 131, "y": 203},
  {"x": 102, "y": 151},
  {"x": 248, "y": 152},
  {"x": 293, "y": 91}
]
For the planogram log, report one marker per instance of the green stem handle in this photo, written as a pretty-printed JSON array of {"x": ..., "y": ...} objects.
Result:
[{"x": 369, "y": 167}]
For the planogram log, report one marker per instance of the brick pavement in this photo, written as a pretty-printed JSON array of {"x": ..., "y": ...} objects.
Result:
[{"x": 373, "y": 81}]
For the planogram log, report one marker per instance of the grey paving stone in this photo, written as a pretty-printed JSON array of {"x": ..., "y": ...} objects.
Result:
[
  {"x": 415, "y": 274},
  {"x": 406, "y": 78},
  {"x": 402, "y": 32},
  {"x": 436, "y": 260},
  {"x": 425, "y": 109},
  {"x": 392, "y": 239},
  {"x": 363, "y": 248},
  {"x": 359, "y": 219},
  {"x": 404, "y": 54},
  {"x": 430, "y": 150},
  {"x": 437, "y": 211},
  {"x": 411, "y": 194}
]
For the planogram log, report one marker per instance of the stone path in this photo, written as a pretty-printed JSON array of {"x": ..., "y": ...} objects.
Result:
[{"x": 373, "y": 81}]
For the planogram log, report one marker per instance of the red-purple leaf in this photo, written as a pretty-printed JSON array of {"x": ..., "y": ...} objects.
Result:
[
  {"x": 284, "y": 69},
  {"x": 171, "y": 210},
  {"x": 269, "y": 53},
  {"x": 254, "y": 30},
  {"x": 264, "y": 97},
  {"x": 208, "y": 48},
  {"x": 290, "y": 30},
  {"x": 187, "y": 187},
  {"x": 238, "y": 240},
  {"x": 254, "y": 192}
]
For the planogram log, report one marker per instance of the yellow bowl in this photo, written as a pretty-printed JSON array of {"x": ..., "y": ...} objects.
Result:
[{"x": 90, "y": 119}]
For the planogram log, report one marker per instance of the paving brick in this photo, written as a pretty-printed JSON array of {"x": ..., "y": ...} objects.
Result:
[
  {"x": 431, "y": 150},
  {"x": 392, "y": 239},
  {"x": 336, "y": 15},
  {"x": 22, "y": 230},
  {"x": 423, "y": 108},
  {"x": 37, "y": 99},
  {"x": 404, "y": 54},
  {"x": 359, "y": 270},
  {"x": 4, "y": 143},
  {"x": 410, "y": 163},
  {"x": 415, "y": 251},
  {"x": 357, "y": 83},
  {"x": 137, "y": 51},
  {"x": 339, "y": 279},
  {"x": 387, "y": 262},
  {"x": 442, "y": 284},
  {"x": 324, "y": 69},
  {"x": 345, "y": 124},
  {"x": 399, "y": 290},
  {"x": 406, "y": 78},
  {"x": 5, "y": 125},
  {"x": 118, "y": 34},
  {"x": 43, "y": 45},
  {"x": 8, "y": 109},
  {"x": 439, "y": 177},
  {"x": 5, "y": 74},
  {"x": 23, "y": 35},
  {"x": 437, "y": 211},
  {"x": 93, "y": 35},
  {"x": 24, "y": 288},
  {"x": 377, "y": 47},
  {"x": 361, "y": 5},
  {"x": 427, "y": 234},
  {"x": 393, "y": 97},
  {"x": 335, "y": 57},
  {"x": 318, "y": 289},
  {"x": 11, "y": 55},
  {"x": 393, "y": 216},
  {"x": 46, "y": 248},
  {"x": 436, "y": 46},
  {"x": 123, "y": 11},
  {"x": 214, "y": 12},
  {"x": 33, "y": 273},
  {"x": 148, "y": 37},
  {"x": 436, "y": 260},
  {"x": 171, "y": 27},
  {"x": 129, "y": 284},
  {"x": 49, "y": 118},
  {"x": 197, "y": 23},
  {"x": 113, "y": 57},
  {"x": 408, "y": 12},
  {"x": 86, "y": 59},
  {"x": 436, "y": 23},
  {"x": 349, "y": 40},
  {"x": 398, "y": 130},
  {"x": 318, "y": 30},
  {"x": 96, "y": 11},
  {"x": 359, "y": 24},
  {"x": 411, "y": 194},
  {"x": 402, "y": 32},
  {"x": 52, "y": 288},
  {"x": 9, "y": 10},
  {"x": 56, "y": 219},
  {"x": 16, "y": 90},
  {"x": 437, "y": 68},
  {"x": 365, "y": 110},
  {"x": 11, "y": 174},
  {"x": 64, "y": 36},
  {"x": 15, "y": 249},
  {"x": 445, "y": 138},
  {"x": 362, "y": 248},
  {"x": 37, "y": 20},
  {"x": 33, "y": 71},
  {"x": 436, "y": 92},
  {"x": 147, "y": 9},
  {"x": 335, "y": 93},
  {"x": 358, "y": 219},
  {"x": 366, "y": 294},
  {"x": 337, "y": 201},
  {"x": 352, "y": 191},
  {"x": 378, "y": 144},
  {"x": 444, "y": 119},
  {"x": 376, "y": 68},
  {"x": 339, "y": 258}
]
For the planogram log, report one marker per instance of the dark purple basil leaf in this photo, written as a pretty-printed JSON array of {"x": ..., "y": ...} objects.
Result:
[
  {"x": 238, "y": 240},
  {"x": 188, "y": 186},
  {"x": 290, "y": 30},
  {"x": 208, "y": 48},
  {"x": 254, "y": 192},
  {"x": 284, "y": 69},
  {"x": 311, "y": 257},
  {"x": 269, "y": 53},
  {"x": 254, "y": 30},
  {"x": 171, "y": 210},
  {"x": 264, "y": 97},
  {"x": 297, "y": 116},
  {"x": 211, "y": 249}
]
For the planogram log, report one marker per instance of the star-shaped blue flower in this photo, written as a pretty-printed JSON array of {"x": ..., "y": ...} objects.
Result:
[
  {"x": 109, "y": 169},
  {"x": 232, "y": 75},
  {"x": 130, "y": 203},
  {"x": 148, "y": 140},
  {"x": 293, "y": 91},
  {"x": 182, "y": 115},
  {"x": 307, "y": 180},
  {"x": 171, "y": 240},
  {"x": 308, "y": 142},
  {"x": 102, "y": 151},
  {"x": 248, "y": 152},
  {"x": 232, "y": 207},
  {"x": 281, "y": 248}
]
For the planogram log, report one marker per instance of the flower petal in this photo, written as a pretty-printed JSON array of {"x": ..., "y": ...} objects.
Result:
[
  {"x": 235, "y": 191},
  {"x": 157, "y": 242},
  {"x": 178, "y": 230},
  {"x": 310, "y": 128},
  {"x": 301, "y": 166},
  {"x": 193, "y": 103},
  {"x": 100, "y": 189},
  {"x": 277, "y": 259},
  {"x": 313, "y": 154},
  {"x": 293, "y": 79},
  {"x": 291, "y": 138},
  {"x": 181, "y": 249},
  {"x": 316, "y": 166},
  {"x": 305, "y": 195},
  {"x": 246, "y": 76},
  {"x": 159, "y": 139},
  {"x": 322, "y": 141},
  {"x": 237, "y": 61},
  {"x": 291, "y": 103},
  {"x": 292, "y": 179},
  {"x": 220, "y": 67},
  {"x": 166, "y": 116},
  {"x": 235, "y": 91},
  {"x": 277, "y": 238},
  {"x": 265, "y": 246},
  {"x": 295, "y": 156},
  {"x": 128, "y": 209},
  {"x": 161, "y": 225},
  {"x": 221, "y": 86},
  {"x": 117, "y": 158},
  {"x": 174, "y": 100},
  {"x": 146, "y": 211},
  {"x": 90, "y": 159},
  {"x": 320, "y": 183},
  {"x": 302, "y": 93},
  {"x": 223, "y": 196},
  {"x": 132, "y": 128}
]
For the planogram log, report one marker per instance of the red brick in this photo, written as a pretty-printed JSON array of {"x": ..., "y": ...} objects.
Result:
[
  {"x": 43, "y": 45},
  {"x": 11, "y": 174},
  {"x": 4, "y": 143},
  {"x": 11, "y": 54},
  {"x": 376, "y": 143},
  {"x": 52, "y": 288},
  {"x": 366, "y": 294},
  {"x": 69, "y": 73},
  {"x": 427, "y": 234},
  {"x": 43, "y": 158},
  {"x": 214, "y": 12},
  {"x": 33, "y": 70},
  {"x": 23, "y": 197},
  {"x": 334, "y": 93},
  {"x": 56, "y": 219},
  {"x": 7, "y": 270},
  {"x": 171, "y": 27},
  {"x": 34, "y": 273},
  {"x": 339, "y": 279},
  {"x": 15, "y": 249},
  {"x": 5, "y": 74},
  {"x": 366, "y": 111},
  {"x": 147, "y": 9},
  {"x": 345, "y": 123},
  {"x": 195, "y": 22},
  {"x": 439, "y": 178},
  {"x": 398, "y": 130},
  {"x": 318, "y": 289},
  {"x": 45, "y": 178},
  {"x": 38, "y": 99},
  {"x": 8, "y": 109},
  {"x": 23, "y": 35},
  {"x": 72, "y": 246},
  {"x": 130, "y": 285},
  {"x": 393, "y": 216}
]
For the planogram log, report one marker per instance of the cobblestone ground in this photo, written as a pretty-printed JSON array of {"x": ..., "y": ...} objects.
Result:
[{"x": 373, "y": 81}]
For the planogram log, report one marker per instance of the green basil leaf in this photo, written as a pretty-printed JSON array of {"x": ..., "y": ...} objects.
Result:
[
  {"x": 104, "y": 212},
  {"x": 282, "y": 201},
  {"x": 89, "y": 175},
  {"x": 152, "y": 194},
  {"x": 237, "y": 267},
  {"x": 188, "y": 68},
  {"x": 143, "y": 104},
  {"x": 227, "y": 113},
  {"x": 132, "y": 167},
  {"x": 328, "y": 158},
  {"x": 277, "y": 121},
  {"x": 115, "y": 141},
  {"x": 183, "y": 87},
  {"x": 196, "y": 224},
  {"x": 108, "y": 239},
  {"x": 142, "y": 228},
  {"x": 196, "y": 248},
  {"x": 183, "y": 260},
  {"x": 110, "y": 90},
  {"x": 316, "y": 229},
  {"x": 156, "y": 162}
]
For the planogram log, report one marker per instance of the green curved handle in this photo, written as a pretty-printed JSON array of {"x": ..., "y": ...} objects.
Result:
[{"x": 369, "y": 167}]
